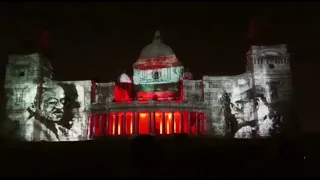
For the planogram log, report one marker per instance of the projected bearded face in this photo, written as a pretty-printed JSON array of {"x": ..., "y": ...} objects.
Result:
[{"x": 53, "y": 103}]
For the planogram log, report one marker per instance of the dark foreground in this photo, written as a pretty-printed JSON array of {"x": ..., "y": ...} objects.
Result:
[{"x": 159, "y": 157}]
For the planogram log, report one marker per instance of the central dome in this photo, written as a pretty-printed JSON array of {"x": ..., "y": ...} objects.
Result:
[
  {"x": 156, "y": 48},
  {"x": 156, "y": 55}
]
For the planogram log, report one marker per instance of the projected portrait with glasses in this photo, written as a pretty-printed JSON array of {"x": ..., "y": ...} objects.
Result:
[{"x": 248, "y": 114}]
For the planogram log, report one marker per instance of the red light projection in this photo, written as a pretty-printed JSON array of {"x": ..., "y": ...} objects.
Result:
[
  {"x": 121, "y": 94},
  {"x": 160, "y": 123},
  {"x": 143, "y": 123},
  {"x": 181, "y": 91},
  {"x": 157, "y": 63},
  {"x": 165, "y": 95}
]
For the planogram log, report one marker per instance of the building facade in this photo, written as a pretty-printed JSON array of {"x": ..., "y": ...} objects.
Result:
[{"x": 160, "y": 99}]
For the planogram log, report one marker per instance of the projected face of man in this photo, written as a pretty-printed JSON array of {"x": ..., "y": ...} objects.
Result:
[
  {"x": 245, "y": 108},
  {"x": 242, "y": 108},
  {"x": 53, "y": 103}
]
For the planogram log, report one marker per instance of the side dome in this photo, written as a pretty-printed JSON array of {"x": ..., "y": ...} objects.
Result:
[
  {"x": 156, "y": 48},
  {"x": 187, "y": 75},
  {"x": 124, "y": 78}
]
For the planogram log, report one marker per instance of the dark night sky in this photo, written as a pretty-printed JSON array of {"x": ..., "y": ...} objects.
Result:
[{"x": 100, "y": 40}]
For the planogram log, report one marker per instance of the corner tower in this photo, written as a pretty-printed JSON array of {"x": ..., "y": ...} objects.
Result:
[
  {"x": 268, "y": 63},
  {"x": 25, "y": 74}
]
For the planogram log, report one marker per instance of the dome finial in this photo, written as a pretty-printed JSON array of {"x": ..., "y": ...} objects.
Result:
[{"x": 157, "y": 37}]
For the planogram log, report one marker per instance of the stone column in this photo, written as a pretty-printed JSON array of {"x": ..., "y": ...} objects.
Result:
[
  {"x": 154, "y": 123},
  {"x": 103, "y": 129},
  {"x": 163, "y": 123},
  {"x": 181, "y": 122},
  {"x": 202, "y": 123},
  {"x": 107, "y": 123},
  {"x": 88, "y": 120},
  {"x": 96, "y": 124},
  {"x": 205, "y": 123},
  {"x": 149, "y": 123},
  {"x": 173, "y": 122},
  {"x": 124, "y": 123},
  {"x": 137, "y": 123},
  {"x": 93, "y": 116},
  {"x": 116, "y": 124},
  {"x": 197, "y": 123},
  {"x": 189, "y": 122},
  {"x": 133, "y": 121},
  {"x": 100, "y": 124}
]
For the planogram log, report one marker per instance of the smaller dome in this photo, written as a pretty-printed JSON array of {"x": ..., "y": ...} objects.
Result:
[
  {"x": 187, "y": 75},
  {"x": 124, "y": 78}
]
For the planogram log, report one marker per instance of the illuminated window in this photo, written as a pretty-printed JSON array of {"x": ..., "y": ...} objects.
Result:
[
  {"x": 143, "y": 123},
  {"x": 20, "y": 98},
  {"x": 18, "y": 71},
  {"x": 156, "y": 75},
  {"x": 31, "y": 71},
  {"x": 16, "y": 124}
]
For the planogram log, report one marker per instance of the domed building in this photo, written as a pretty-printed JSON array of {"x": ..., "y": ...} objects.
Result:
[
  {"x": 164, "y": 99},
  {"x": 154, "y": 104},
  {"x": 159, "y": 99}
]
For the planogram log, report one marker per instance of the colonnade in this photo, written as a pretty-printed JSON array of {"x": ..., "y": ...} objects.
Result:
[{"x": 157, "y": 123}]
